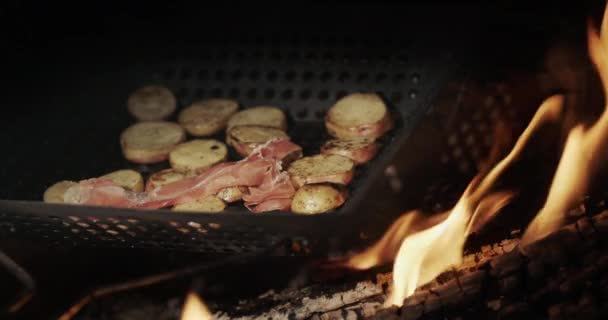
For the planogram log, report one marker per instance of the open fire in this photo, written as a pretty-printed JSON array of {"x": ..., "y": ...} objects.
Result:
[
  {"x": 425, "y": 246},
  {"x": 195, "y": 309}
]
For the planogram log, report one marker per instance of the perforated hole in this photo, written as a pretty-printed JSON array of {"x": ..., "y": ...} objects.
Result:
[
  {"x": 194, "y": 224},
  {"x": 269, "y": 93},
  {"x": 396, "y": 97},
  {"x": 402, "y": 58},
  {"x": 169, "y": 74},
  {"x": 254, "y": 75},
  {"x": 320, "y": 114},
  {"x": 344, "y": 76},
  {"x": 470, "y": 140},
  {"x": 276, "y": 55},
  {"x": 219, "y": 75},
  {"x": 302, "y": 114},
  {"x": 293, "y": 55},
  {"x": 457, "y": 152},
  {"x": 199, "y": 93},
  {"x": 252, "y": 93},
  {"x": 305, "y": 94},
  {"x": 234, "y": 93},
  {"x": 236, "y": 75},
  {"x": 380, "y": 77},
  {"x": 186, "y": 74},
  {"x": 363, "y": 76},
  {"x": 399, "y": 77},
  {"x": 325, "y": 76},
  {"x": 203, "y": 74},
  {"x": 183, "y": 92},
  {"x": 307, "y": 76},
  {"x": 272, "y": 76},
  {"x": 290, "y": 75},
  {"x": 287, "y": 94},
  {"x": 323, "y": 95},
  {"x": 216, "y": 92}
]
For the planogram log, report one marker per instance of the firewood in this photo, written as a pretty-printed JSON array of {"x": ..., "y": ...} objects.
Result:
[{"x": 550, "y": 277}]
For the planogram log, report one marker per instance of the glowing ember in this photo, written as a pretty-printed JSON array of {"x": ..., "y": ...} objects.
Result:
[
  {"x": 195, "y": 309},
  {"x": 583, "y": 153}
]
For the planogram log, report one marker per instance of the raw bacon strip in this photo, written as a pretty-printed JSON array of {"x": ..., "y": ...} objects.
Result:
[
  {"x": 261, "y": 169},
  {"x": 271, "y": 205},
  {"x": 265, "y": 197}
]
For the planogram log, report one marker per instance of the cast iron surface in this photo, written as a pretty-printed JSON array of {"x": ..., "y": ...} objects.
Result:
[
  {"x": 70, "y": 86},
  {"x": 68, "y": 123}
]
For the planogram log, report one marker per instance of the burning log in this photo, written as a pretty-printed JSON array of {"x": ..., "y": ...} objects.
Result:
[{"x": 559, "y": 276}]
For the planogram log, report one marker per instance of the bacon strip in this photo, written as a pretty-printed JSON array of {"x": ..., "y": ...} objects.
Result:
[{"x": 260, "y": 171}]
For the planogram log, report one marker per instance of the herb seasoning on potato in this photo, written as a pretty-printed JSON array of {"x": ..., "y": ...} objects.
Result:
[{"x": 197, "y": 154}]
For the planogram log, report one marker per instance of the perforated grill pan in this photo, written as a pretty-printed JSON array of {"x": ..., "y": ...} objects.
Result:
[{"x": 68, "y": 110}]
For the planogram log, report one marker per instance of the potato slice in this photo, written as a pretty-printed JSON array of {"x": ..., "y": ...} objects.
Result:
[
  {"x": 358, "y": 115},
  {"x": 359, "y": 150},
  {"x": 261, "y": 116},
  {"x": 129, "y": 179},
  {"x": 151, "y": 103},
  {"x": 207, "y": 117},
  {"x": 231, "y": 194},
  {"x": 164, "y": 177},
  {"x": 150, "y": 142},
  {"x": 209, "y": 204},
  {"x": 55, "y": 193},
  {"x": 197, "y": 154},
  {"x": 321, "y": 168},
  {"x": 245, "y": 138},
  {"x": 316, "y": 198}
]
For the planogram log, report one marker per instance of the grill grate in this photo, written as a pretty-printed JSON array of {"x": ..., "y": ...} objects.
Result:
[{"x": 303, "y": 76}]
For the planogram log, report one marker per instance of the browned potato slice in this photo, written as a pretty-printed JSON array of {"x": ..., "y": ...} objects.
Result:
[
  {"x": 151, "y": 103},
  {"x": 321, "y": 168},
  {"x": 231, "y": 194},
  {"x": 129, "y": 179},
  {"x": 260, "y": 116},
  {"x": 245, "y": 138},
  {"x": 359, "y": 150},
  {"x": 150, "y": 142},
  {"x": 316, "y": 198},
  {"x": 209, "y": 204},
  {"x": 207, "y": 117},
  {"x": 358, "y": 115},
  {"x": 164, "y": 177},
  {"x": 197, "y": 154},
  {"x": 55, "y": 193}
]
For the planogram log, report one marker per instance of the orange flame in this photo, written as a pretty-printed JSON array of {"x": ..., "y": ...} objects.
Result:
[
  {"x": 583, "y": 153},
  {"x": 431, "y": 245},
  {"x": 195, "y": 309}
]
